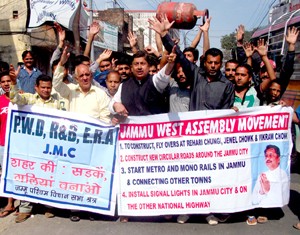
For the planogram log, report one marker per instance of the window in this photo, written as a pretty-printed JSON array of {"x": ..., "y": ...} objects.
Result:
[{"x": 15, "y": 15}]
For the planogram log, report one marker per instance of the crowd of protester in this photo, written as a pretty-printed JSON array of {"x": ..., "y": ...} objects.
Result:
[{"x": 150, "y": 81}]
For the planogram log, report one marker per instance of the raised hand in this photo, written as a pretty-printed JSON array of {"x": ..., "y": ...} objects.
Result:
[
  {"x": 161, "y": 27},
  {"x": 14, "y": 73},
  {"x": 61, "y": 32},
  {"x": 105, "y": 55},
  {"x": 132, "y": 38},
  {"x": 240, "y": 32},
  {"x": 248, "y": 48},
  {"x": 94, "y": 29},
  {"x": 261, "y": 47},
  {"x": 113, "y": 63},
  {"x": 172, "y": 56},
  {"x": 292, "y": 35},
  {"x": 167, "y": 24},
  {"x": 205, "y": 27},
  {"x": 64, "y": 56}
]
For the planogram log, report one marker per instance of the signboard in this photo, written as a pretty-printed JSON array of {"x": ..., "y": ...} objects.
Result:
[{"x": 58, "y": 160}]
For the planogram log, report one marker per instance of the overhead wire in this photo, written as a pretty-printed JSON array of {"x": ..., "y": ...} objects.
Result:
[
  {"x": 260, "y": 12},
  {"x": 255, "y": 12},
  {"x": 266, "y": 14},
  {"x": 263, "y": 11},
  {"x": 152, "y": 6}
]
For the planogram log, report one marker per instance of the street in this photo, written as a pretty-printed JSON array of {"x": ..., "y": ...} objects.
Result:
[{"x": 39, "y": 224}]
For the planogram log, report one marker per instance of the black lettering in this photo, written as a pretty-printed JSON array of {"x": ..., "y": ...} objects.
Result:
[
  {"x": 109, "y": 137},
  {"x": 53, "y": 130},
  {"x": 97, "y": 136},
  {"x": 86, "y": 135},
  {"x": 39, "y": 127}
]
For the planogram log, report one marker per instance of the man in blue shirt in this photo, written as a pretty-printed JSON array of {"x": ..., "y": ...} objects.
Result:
[{"x": 28, "y": 73}]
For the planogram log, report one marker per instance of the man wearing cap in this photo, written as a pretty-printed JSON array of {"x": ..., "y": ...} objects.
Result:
[
  {"x": 263, "y": 73},
  {"x": 273, "y": 183}
]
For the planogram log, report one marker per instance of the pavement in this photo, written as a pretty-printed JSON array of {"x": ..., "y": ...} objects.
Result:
[{"x": 38, "y": 224}]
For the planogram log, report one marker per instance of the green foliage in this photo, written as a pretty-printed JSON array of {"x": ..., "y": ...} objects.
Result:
[{"x": 228, "y": 41}]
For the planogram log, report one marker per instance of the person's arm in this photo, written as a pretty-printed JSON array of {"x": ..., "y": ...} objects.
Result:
[
  {"x": 58, "y": 84},
  {"x": 132, "y": 38},
  {"x": 94, "y": 29},
  {"x": 202, "y": 30},
  {"x": 103, "y": 103},
  {"x": 249, "y": 50},
  {"x": 104, "y": 56},
  {"x": 14, "y": 96},
  {"x": 262, "y": 51},
  {"x": 162, "y": 78},
  {"x": 150, "y": 50},
  {"x": 116, "y": 106},
  {"x": 288, "y": 65},
  {"x": 197, "y": 39},
  {"x": 205, "y": 29},
  {"x": 162, "y": 29},
  {"x": 228, "y": 97},
  {"x": 241, "y": 55},
  {"x": 94, "y": 66},
  {"x": 17, "y": 98},
  {"x": 159, "y": 44},
  {"x": 61, "y": 39}
]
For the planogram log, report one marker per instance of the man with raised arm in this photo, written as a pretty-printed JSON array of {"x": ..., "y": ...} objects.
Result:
[
  {"x": 84, "y": 97},
  {"x": 210, "y": 89}
]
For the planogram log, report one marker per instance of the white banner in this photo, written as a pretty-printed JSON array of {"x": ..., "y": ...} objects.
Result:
[
  {"x": 61, "y": 11},
  {"x": 206, "y": 161},
  {"x": 61, "y": 159}
]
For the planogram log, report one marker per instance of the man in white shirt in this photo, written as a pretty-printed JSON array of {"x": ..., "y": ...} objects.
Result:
[{"x": 272, "y": 186}]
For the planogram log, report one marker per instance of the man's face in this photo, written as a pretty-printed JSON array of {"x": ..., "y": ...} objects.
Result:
[
  {"x": 242, "y": 78},
  {"x": 152, "y": 70},
  {"x": 28, "y": 60},
  {"x": 5, "y": 83},
  {"x": 124, "y": 71},
  {"x": 105, "y": 65},
  {"x": 274, "y": 92},
  {"x": 272, "y": 159},
  {"x": 84, "y": 77},
  {"x": 44, "y": 89},
  {"x": 230, "y": 69},
  {"x": 212, "y": 65},
  {"x": 140, "y": 68},
  {"x": 181, "y": 78},
  {"x": 263, "y": 74},
  {"x": 189, "y": 55},
  {"x": 113, "y": 81}
]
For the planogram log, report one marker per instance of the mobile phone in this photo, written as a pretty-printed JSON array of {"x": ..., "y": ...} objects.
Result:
[{"x": 20, "y": 63}]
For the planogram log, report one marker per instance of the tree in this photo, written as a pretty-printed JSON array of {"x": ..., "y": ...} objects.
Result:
[{"x": 228, "y": 41}]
